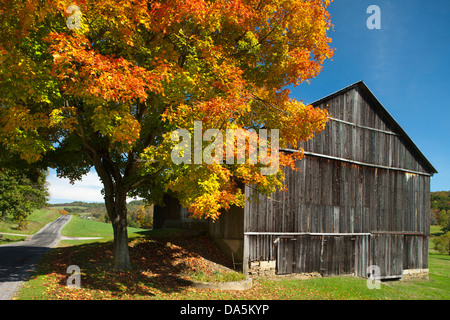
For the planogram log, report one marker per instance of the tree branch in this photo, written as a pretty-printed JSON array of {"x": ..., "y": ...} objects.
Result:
[{"x": 270, "y": 105}]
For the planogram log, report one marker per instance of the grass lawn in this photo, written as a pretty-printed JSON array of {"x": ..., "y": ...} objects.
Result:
[{"x": 161, "y": 259}]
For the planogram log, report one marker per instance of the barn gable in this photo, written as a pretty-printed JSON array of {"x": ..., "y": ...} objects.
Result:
[{"x": 362, "y": 130}]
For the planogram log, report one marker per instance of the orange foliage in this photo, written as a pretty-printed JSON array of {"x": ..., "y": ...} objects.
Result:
[{"x": 115, "y": 88}]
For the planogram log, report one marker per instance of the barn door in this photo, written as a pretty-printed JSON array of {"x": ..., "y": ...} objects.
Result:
[
  {"x": 286, "y": 248},
  {"x": 300, "y": 254},
  {"x": 387, "y": 254},
  {"x": 338, "y": 255}
]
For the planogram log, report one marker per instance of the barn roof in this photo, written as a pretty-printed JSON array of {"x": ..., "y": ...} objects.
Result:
[{"x": 373, "y": 101}]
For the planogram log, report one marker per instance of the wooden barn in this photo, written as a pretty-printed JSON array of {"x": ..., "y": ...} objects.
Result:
[{"x": 360, "y": 199}]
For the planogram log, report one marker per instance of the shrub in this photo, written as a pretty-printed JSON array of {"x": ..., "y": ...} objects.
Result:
[{"x": 442, "y": 243}]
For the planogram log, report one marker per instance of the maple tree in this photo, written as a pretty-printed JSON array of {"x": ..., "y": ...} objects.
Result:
[
  {"x": 144, "y": 217},
  {"x": 20, "y": 195},
  {"x": 22, "y": 188},
  {"x": 108, "y": 93}
]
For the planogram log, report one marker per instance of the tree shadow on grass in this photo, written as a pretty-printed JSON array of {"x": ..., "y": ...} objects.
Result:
[{"x": 161, "y": 264}]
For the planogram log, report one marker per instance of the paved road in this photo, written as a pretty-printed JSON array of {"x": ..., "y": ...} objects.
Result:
[{"x": 18, "y": 259}]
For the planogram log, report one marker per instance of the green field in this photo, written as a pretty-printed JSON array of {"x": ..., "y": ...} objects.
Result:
[
  {"x": 37, "y": 219},
  {"x": 78, "y": 227},
  {"x": 157, "y": 257}
]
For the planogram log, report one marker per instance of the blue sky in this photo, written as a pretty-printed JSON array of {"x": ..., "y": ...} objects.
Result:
[{"x": 406, "y": 64}]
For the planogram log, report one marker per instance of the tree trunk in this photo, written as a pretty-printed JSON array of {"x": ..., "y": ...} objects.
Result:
[
  {"x": 116, "y": 205},
  {"x": 121, "y": 252}
]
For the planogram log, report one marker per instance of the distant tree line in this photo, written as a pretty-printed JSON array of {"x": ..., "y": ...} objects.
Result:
[{"x": 440, "y": 215}]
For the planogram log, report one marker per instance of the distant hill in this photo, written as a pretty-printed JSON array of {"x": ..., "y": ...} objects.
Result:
[
  {"x": 92, "y": 211},
  {"x": 97, "y": 211}
]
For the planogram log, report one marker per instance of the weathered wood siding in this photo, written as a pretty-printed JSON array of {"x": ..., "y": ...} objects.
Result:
[
  {"x": 332, "y": 196},
  {"x": 362, "y": 181}
]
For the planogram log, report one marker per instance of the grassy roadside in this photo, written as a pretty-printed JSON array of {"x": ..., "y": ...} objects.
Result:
[
  {"x": 161, "y": 258},
  {"x": 37, "y": 219}
]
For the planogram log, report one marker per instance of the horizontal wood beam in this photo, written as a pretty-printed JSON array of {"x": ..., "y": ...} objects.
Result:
[
  {"x": 404, "y": 233},
  {"x": 256, "y": 233},
  {"x": 364, "y": 127},
  {"x": 307, "y": 153}
]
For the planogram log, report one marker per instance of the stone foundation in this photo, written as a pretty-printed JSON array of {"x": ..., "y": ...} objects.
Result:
[
  {"x": 414, "y": 274},
  {"x": 262, "y": 268},
  {"x": 268, "y": 269},
  {"x": 230, "y": 286}
]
